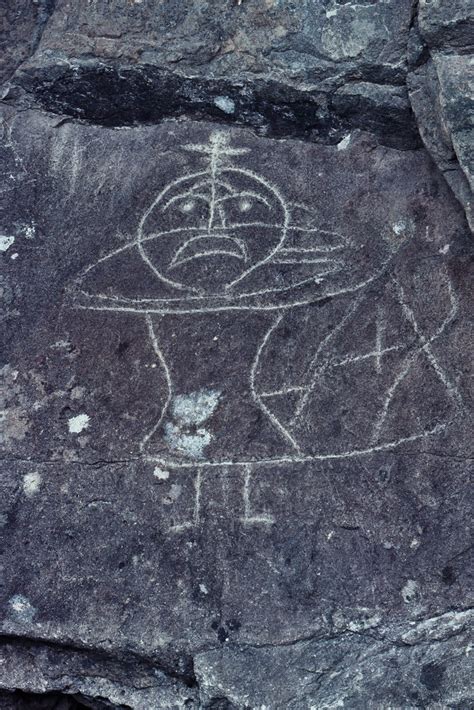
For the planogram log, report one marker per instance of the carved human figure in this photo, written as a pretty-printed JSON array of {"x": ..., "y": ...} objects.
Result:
[{"x": 221, "y": 269}]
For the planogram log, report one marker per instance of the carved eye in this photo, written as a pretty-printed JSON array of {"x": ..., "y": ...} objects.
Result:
[
  {"x": 245, "y": 208},
  {"x": 188, "y": 206}
]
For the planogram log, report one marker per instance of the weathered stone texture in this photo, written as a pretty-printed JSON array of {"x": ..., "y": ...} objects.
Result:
[
  {"x": 272, "y": 65},
  {"x": 21, "y": 26},
  {"x": 441, "y": 86},
  {"x": 447, "y": 24},
  {"x": 236, "y": 428},
  {"x": 313, "y": 69}
]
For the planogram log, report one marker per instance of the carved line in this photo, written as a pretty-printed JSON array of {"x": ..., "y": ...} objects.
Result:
[
  {"x": 285, "y": 390},
  {"x": 185, "y": 195},
  {"x": 214, "y": 165},
  {"x": 211, "y": 252},
  {"x": 376, "y": 354},
  {"x": 240, "y": 243},
  {"x": 246, "y": 193},
  {"x": 160, "y": 196},
  {"x": 276, "y": 423},
  {"x": 335, "y": 363},
  {"x": 211, "y": 149},
  {"x": 380, "y": 332},
  {"x": 311, "y": 250},
  {"x": 169, "y": 383},
  {"x": 314, "y": 278},
  {"x": 284, "y": 259},
  {"x": 197, "y": 497},
  {"x": 220, "y": 182},
  {"x": 427, "y": 343},
  {"x": 139, "y": 241},
  {"x": 277, "y": 307},
  {"x": 178, "y": 230},
  {"x": 305, "y": 398},
  {"x": 248, "y": 517},
  {"x": 302, "y": 459},
  {"x": 173, "y": 284},
  {"x": 273, "y": 189},
  {"x": 411, "y": 359}
]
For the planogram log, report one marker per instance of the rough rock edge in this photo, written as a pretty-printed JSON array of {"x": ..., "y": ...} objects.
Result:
[
  {"x": 115, "y": 96},
  {"x": 41, "y": 11},
  {"x": 45, "y": 12},
  {"x": 108, "y": 93},
  {"x": 393, "y": 108},
  {"x": 425, "y": 93},
  {"x": 121, "y": 672}
]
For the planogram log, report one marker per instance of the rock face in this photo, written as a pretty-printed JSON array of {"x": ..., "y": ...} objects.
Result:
[
  {"x": 441, "y": 84},
  {"x": 21, "y": 26},
  {"x": 306, "y": 68},
  {"x": 236, "y": 357}
]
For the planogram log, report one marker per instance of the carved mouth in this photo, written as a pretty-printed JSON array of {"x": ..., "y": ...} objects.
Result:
[{"x": 207, "y": 245}]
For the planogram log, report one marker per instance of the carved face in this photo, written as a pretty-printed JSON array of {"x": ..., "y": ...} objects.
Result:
[{"x": 205, "y": 233}]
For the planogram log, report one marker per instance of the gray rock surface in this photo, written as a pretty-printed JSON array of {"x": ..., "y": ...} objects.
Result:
[
  {"x": 441, "y": 86},
  {"x": 21, "y": 26},
  {"x": 236, "y": 430},
  {"x": 272, "y": 65},
  {"x": 312, "y": 69}
]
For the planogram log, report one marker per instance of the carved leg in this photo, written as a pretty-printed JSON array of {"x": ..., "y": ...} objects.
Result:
[{"x": 249, "y": 517}]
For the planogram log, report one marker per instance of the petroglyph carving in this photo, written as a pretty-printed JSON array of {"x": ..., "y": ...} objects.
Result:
[{"x": 223, "y": 245}]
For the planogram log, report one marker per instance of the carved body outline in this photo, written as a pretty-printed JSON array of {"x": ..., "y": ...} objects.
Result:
[{"x": 191, "y": 304}]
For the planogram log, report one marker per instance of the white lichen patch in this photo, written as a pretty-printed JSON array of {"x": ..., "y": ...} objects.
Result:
[
  {"x": 342, "y": 145},
  {"x": 173, "y": 494},
  {"x": 6, "y": 242},
  {"x": 225, "y": 103},
  {"x": 14, "y": 419},
  {"x": 188, "y": 412},
  {"x": 403, "y": 228},
  {"x": 29, "y": 231},
  {"x": 161, "y": 474},
  {"x": 31, "y": 483},
  {"x": 60, "y": 345},
  {"x": 410, "y": 591},
  {"x": 399, "y": 227},
  {"x": 21, "y": 609},
  {"x": 14, "y": 424},
  {"x": 196, "y": 407},
  {"x": 356, "y": 619},
  {"x": 191, "y": 445},
  {"x": 78, "y": 423}
]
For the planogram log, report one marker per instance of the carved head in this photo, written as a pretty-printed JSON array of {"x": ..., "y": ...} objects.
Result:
[
  {"x": 225, "y": 236},
  {"x": 204, "y": 232}
]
